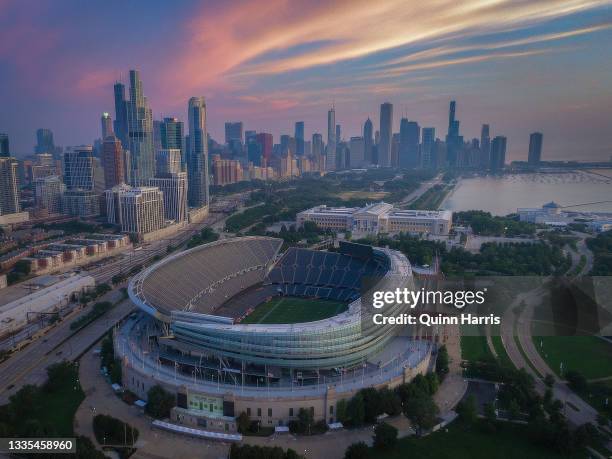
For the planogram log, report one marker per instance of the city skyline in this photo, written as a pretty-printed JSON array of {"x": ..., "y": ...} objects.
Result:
[{"x": 501, "y": 63}]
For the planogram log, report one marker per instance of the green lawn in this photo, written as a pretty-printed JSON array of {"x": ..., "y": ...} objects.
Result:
[
  {"x": 589, "y": 355},
  {"x": 291, "y": 310},
  {"x": 474, "y": 348},
  {"x": 508, "y": 442}
]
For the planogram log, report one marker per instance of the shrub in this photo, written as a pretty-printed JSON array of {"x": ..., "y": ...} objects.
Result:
[
  {"x": 385, "y": 436},
  {"x": 159, "y": 402}
]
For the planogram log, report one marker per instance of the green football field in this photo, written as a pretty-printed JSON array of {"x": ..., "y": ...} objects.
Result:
[{"x": 292, "y": 310}]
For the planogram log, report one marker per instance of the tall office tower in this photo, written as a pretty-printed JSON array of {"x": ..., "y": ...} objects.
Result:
[
  {"x": 107, "y": 125},
  {"x": 318, "y": 150},
  {"x": 498, "y": 153},
  {"x": 485, "y": 147},
  {"x": 140, "y": 133},
  {"x": 172, "y": 137},
  {"x": 233, "y": 131},
  {"x": 120, "y": 124},
  {"x": 5, "y": 151},
  {"x": 167, "y": 161},
  {"x": 157, "y": 143},
  {"x": 409, "y": 144},
  {"x": 535, "y": 148},
  {"x": 249, "y": 135},
  {"x": 254, "y": 152},
  {"x": 454, "y": 141},
  {"x": 141, "y": 209},
  {"x": 113, "y": 161},
  {"x": 299, "y": 138},
  {"x": 395, "y": 144},
  {"x": 427, "y": 147},
  {"x": 330, "y": 154},
  {"x": 79, "y": 168},
  {"x": 386, "y": 135},
  {"x": 48, "y": 193},
  {"x": 357, "y": 155},
  {"x": 174, "y": 189},
  {"x": 197, "y": 162},
  {"x": 368, "y": 140},
  {"x": 9, "y": 186},
  {"x": 44, "y": 141},
  {"x": 338, "y": 133}
]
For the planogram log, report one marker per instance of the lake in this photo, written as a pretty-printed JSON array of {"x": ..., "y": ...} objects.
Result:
[{"x": 503, "y": 194}]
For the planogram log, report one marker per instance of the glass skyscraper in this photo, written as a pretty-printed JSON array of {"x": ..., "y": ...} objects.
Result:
[
  {"x": 197, "y": 159},
  {"x": 140, "y": 133}
]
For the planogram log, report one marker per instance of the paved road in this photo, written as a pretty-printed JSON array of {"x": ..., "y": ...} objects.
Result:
[
  {"x": 29, "y": 365},
  {"x": 576, "y": 410},
  {"x": 423, "y": 187}
]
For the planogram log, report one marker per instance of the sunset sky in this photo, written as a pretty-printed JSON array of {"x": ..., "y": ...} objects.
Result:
[{"x": 521, "y": 66}]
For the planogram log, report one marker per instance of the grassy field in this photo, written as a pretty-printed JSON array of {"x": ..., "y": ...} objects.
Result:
[
  {"x": 474, "y": 348},
  {"x": 373, "y": 195},
  {"x": 509, "y": 441},
  {"x": 589, "y": 355},
  {"x": 292, "y": 310}
]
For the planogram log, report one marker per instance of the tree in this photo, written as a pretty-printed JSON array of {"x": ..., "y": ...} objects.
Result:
[
  {"x": 385, "y": 436},
  {"x": 357, "y": 450},
  {"x": 467, "y": 410},
  {"x": 244, "y": 422},
  {"x": 341, "y": 413},
  {"x": 355, "y": 410},
  {"x": 390, "y": 402},
  {"x": 159, "y": 402},
  {"x": 422, "y": 412},
  {"x": 490, "y": 416},
  {"x": 514, "y": 410},
  {"x": 576, "y": 381},
  {"x": 371, "y": 403},
  {"x": 549, "y": 380}
]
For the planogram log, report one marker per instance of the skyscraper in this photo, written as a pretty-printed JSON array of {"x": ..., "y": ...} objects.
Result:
[
  {"x": 107, "y": 125},
  {"x": 535, "y": 148},
  {"x": 233, "y": 132},
  {"x": 48, "y": 193},
  {"x": 140, "y": 133},
  {"x": 141, "y": 210},
  {"x": 386, "y": 134},
  {"x": 174, "y": 189},
  {"x": 368, "y": 140},
  {"x": 318, "y": 151},
  {"x": 79, "y": 168},
  {"x": 409, "y": 144},
  {"x": 9, "y": 186},
  {"x": 485, "y": 146},
  {"x": 330, "y": 160},
  {"x": 44, "y": 141},
  {"x": 299, "y": 138},
  {"x": 4, "y": 146},
  {"x": 114, "y": 162},
  {"x": 498, "y": 153},
  {"x": 120, "y": 123},
  {"x": 167, "y": 161},
  {"x": 427, "y": 147},
  {"x": 454, "y": 141},
  {"x": 266, "y": 142},
  {"x": 197, "y": 162},
  {"x": 357, "y": 152},
  {"x": 172, "y": 137}
]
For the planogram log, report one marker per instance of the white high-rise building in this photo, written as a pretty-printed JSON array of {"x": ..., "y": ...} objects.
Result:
[
  {"x": 141, "y": 210},
  {"x": 174, "y": 187},
  {"x": 48, "y": 194}
]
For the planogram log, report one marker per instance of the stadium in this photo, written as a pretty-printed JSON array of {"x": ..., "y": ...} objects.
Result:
[{"x": 236, "y": 326}]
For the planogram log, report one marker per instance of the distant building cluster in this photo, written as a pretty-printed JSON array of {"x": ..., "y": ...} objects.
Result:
[
  {"x": 378, "y": 218},
  {"x": 145, "y": 174}
]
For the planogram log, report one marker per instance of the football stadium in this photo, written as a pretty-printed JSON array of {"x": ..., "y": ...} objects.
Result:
[{"x": 237, "y": 326}]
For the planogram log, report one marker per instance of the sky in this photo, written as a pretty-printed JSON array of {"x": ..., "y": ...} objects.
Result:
[{"x": 521, "y": 66}]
